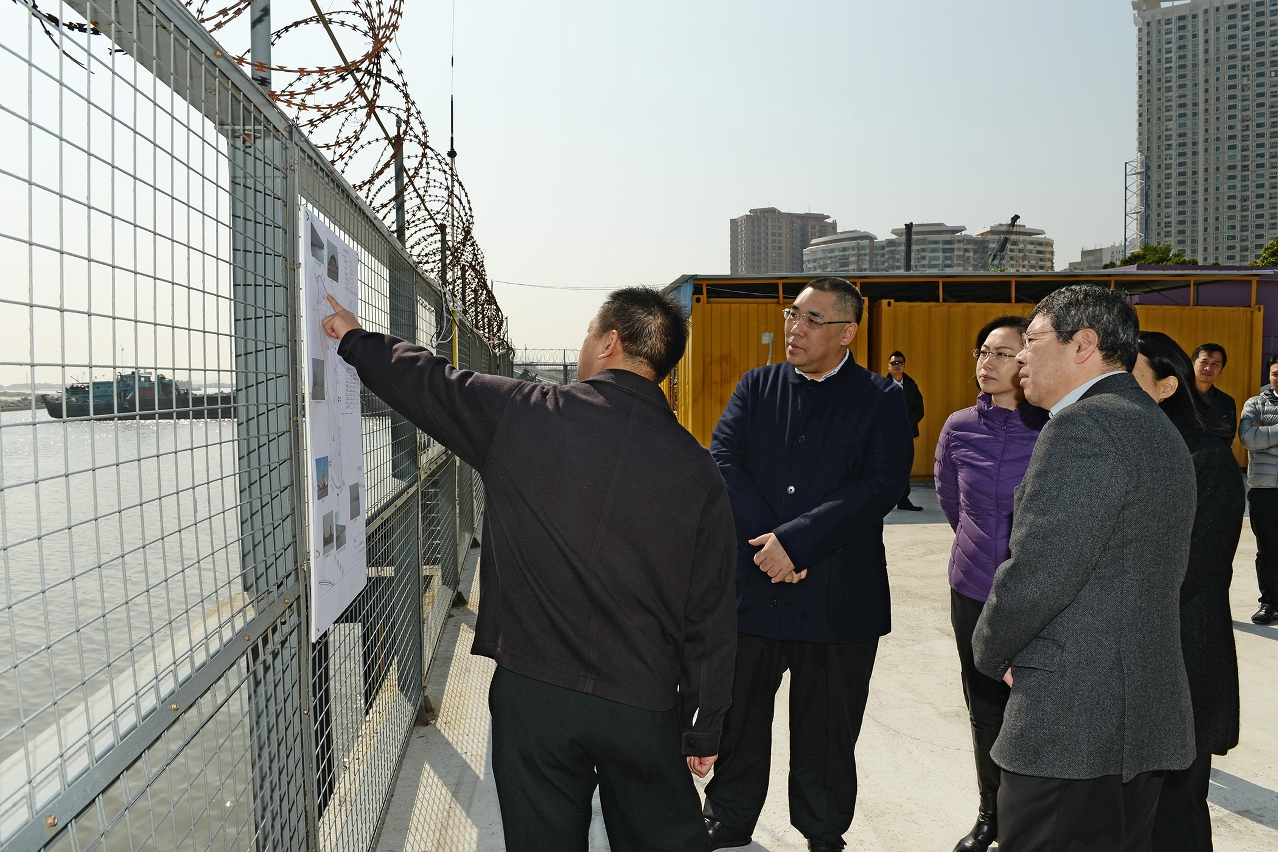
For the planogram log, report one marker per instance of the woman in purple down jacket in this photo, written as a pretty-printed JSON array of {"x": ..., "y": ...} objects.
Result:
[{"x": 981, "y": 457}]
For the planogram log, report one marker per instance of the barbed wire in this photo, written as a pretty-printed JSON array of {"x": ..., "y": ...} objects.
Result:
[{"x": 348, "y": 110}]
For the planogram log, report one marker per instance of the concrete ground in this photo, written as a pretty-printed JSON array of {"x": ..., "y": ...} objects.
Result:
[{"x": 917, "y": 783}]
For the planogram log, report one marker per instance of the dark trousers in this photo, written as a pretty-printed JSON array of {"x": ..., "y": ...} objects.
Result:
[
  {"x": 1183, "y": 823},
  {"x": 552, "y": 746},
  {"x": 1263, "y": 504},
  {"x": 829, "y": 685},
  {"x": 985, "y": 697},
  {"x": 1065, "y": 815}
]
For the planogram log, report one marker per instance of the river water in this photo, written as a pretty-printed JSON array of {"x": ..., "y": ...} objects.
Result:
[{"x": 120, "y": 548}]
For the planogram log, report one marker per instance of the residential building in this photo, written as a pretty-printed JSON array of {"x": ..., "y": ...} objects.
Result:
[
  {"x": 1205, "y": 76},
  {"x": 841, "y": 253},
  {"x": 1096, "y": 258},
  {"x": 1028, "y": 250},
  {"x": 936, "y": 247},
  {"x": 767, "y": 240}
]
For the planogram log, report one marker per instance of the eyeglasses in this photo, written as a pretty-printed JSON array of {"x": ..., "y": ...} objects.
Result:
[
  {"x": 896, "y": 363},
  {"x": 793, "y": 316},
  {"x": 997, "y": 357},
  {"x": 1027, "y": 340}
]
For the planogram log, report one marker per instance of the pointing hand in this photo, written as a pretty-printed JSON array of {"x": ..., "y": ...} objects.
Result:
[{"x": 340, "y": 321}]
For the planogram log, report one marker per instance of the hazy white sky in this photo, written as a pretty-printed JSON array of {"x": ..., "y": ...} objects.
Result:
[{"x": 607, "y": 144}]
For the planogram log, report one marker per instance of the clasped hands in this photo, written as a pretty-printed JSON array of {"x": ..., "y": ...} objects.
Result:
[{"x": 774, "y": 561}]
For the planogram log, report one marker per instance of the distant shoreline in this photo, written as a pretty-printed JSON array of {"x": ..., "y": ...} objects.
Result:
[{"x": 14, "y": 401}]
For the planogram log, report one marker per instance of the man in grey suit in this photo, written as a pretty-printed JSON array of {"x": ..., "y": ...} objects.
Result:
[{"x": 1083, "y": 620}]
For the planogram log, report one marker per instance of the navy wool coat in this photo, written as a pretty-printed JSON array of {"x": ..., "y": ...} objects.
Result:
[{"x": 819, "y": 464}]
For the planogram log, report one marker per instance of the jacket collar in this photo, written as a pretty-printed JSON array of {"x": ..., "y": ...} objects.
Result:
[
  {"x": 1030, "y": 415},
  {"x": 635, "y": 384}
]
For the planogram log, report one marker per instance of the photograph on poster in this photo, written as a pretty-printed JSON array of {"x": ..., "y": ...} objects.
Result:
[
  {"x": 317, "y": 245},
  {"x": 341, "y": 530},
  {"x": 328, "y": 532},
  {"x": 333, "y": 263},
  {"x": 317, "y": 379},
  {"x": 354, "y": 502},
  {"x": 321, "y": 478}
]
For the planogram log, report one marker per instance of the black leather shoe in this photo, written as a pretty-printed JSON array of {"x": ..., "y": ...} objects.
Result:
[
  {"x": 985, "y": 831},
  {"x": 724, "y": 837},
  {"x": 1265, "y": 615},
  {"x": 825, "y": 845},
  {"x": 908, "y": 506}
]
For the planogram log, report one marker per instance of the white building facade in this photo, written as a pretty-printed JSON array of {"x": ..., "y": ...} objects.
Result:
[{"x": 1207, "y": 99}]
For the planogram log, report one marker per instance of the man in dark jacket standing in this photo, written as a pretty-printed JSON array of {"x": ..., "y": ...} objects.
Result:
[
  {"x": 913, "y": 406},
  {"x": 815, "y": 451},
  {"x": 606, "y": 575},
  {"x": 1209, "y": 361},
  {"x": 1083, "y": 622}
]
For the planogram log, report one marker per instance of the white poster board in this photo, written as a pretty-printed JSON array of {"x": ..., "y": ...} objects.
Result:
[{"x": 334, "y": 440}]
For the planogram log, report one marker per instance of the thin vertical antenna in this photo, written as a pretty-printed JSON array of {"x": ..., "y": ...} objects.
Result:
[{"x": 452, "y": 149}]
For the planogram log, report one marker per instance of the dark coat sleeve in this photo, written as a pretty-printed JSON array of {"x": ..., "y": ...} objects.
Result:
[
  {"x": 458, "y": 408},
  {"x": 710, "y": 630},
  {"x": 1047, "y": 571},
  {"x": 913, "y": 403},
  {"x": 729, "y": 445},
  {"x": 852, "y": 509}
]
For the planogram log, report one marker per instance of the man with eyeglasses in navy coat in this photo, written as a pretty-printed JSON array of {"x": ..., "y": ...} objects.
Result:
[{"x": 815, "y": 451}]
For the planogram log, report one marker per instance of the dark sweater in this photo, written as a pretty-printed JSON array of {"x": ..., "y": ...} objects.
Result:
[{"x": 607, "y": 553}]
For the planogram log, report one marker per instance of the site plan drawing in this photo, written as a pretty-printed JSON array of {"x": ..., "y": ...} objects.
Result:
[{"x": 334, "y": 443}]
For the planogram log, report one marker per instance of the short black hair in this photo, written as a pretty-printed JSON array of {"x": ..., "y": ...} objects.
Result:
[
  {"x": 1106, "y": 312},
  {"x": 846, "y": 296},
  {"x": 652, "y": 326},
  {"x": 1273, "y": 359},
  {"x": 1018, "y": 323},
  {"x": 897, "y": 354},
  {"x": 1211, "y": 347}
]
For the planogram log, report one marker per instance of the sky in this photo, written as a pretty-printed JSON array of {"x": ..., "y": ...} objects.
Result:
[{"x": 606, "y": 144}]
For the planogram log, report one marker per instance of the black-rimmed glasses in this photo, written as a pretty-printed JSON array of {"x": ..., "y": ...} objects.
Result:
[{"x": 793, "y": 316}]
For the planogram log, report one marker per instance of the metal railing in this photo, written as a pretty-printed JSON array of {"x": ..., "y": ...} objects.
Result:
[
  {"x": 549, "y": 366},
  {"x": 158, "y": 689}
]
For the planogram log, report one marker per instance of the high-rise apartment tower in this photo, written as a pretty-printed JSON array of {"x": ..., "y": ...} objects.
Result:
[
  {"x": 766, "y": 240},
  {"x": 1207, "y": 100}
]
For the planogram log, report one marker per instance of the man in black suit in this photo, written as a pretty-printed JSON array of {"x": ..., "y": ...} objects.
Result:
[
  {"x": 1209, "y": 362},
  {"x": 815, "y": 451},
  {"x": 1083, "y": 622},
  {"x": 913, "y": 405},
  {"x": 606, "y": 575}
]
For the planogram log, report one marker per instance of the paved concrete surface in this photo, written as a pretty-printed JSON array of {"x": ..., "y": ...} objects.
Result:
[{"x": 917, "y": 783}]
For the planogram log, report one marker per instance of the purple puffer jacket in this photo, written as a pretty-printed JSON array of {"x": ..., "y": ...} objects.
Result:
[{"x": 981, "y": 457}]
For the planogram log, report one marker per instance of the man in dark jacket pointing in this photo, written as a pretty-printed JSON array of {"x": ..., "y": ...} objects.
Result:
[
  {"x": 606, "y": 575},
  {"x": 815, "y": 451}
]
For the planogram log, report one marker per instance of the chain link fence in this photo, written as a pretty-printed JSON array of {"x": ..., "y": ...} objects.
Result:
[{"x": 158, "y": 689}]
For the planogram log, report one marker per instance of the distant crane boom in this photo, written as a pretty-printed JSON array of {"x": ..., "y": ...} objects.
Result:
[{"x": 1001, "y": 252}]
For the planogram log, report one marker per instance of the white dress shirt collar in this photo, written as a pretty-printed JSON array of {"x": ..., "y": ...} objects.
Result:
[
  {"x": 847, "y": 353},
  {"x": 1077, "y": 393}
]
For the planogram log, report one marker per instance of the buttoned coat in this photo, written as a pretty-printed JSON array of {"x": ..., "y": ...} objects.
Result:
[
  {"x": 819, "y": 464},
  {"x": 1086, "y": 610}
]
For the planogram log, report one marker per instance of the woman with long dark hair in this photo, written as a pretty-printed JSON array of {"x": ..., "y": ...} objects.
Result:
[
  {"x": 981, "y": 457},
  {"x": 1206, "y": 629}
]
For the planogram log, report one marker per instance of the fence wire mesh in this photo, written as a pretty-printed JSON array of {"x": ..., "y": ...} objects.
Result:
[{"x": 158, "y": 689}]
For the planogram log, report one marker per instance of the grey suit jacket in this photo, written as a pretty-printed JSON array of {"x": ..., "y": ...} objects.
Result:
[{"x": 1087, "y": 609}]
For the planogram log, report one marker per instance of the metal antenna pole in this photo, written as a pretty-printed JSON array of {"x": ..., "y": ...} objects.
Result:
[
  {"x": 260, "y": 42},
  {"x": 400, "y": 231}
]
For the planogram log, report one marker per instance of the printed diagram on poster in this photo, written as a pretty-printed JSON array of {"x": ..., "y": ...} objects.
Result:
[{"x": 334, "y": 442}]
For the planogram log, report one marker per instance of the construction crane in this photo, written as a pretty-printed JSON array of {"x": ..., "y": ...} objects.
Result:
[{"x": 1001, "y": 252}]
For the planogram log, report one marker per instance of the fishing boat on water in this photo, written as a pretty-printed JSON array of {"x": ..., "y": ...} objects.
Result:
[{"x": 139, "y": 395}]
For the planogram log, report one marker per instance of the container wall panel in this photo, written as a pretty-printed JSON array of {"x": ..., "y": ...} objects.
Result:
[
  {"x": 725, "y": 343},
  {"x": 937, "y": 340},
  {"x": 1239, "y": 330}
]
